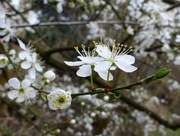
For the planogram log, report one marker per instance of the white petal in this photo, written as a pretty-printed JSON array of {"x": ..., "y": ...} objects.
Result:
[
  {"x": 23, "y": 55},
  {"x": 25, "y": 65},
  {"x": 20, "y": 99},
  {"x": 38, "y": 67},
  {"x": 14, "y": 82},
  {"x": 65, "y": 106},
  {"x": 90, "y": 60},
  {"x": 21, "y": 44},
  {"x": 13, "y": 94},
  {"x": 103, "y": 51},
  {"x": 102, "y": 66},
  {"x": 30, "y": 93},
  {"x": 84, "y": 71},
  {"x": 127, "y": 58},
  {"x": 125, "y": 66},
  {"x": 52, "y": 106},
  {"x": 32, "y": 73},
  {"x": 26, "y": 83},
  {"x": 76, "y": 63},
  {"x": 104, "y": 74}
]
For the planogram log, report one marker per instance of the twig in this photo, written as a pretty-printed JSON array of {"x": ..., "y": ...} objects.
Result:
[{"x": 45, "y": 24}]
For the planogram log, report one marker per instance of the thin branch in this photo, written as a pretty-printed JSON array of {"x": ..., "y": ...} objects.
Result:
[
  {"x": 173, "y": 6},
  {"x": 45, "y": 24}
]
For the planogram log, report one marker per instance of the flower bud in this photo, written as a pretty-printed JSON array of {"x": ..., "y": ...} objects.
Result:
[{"x": 50, "y": 75}]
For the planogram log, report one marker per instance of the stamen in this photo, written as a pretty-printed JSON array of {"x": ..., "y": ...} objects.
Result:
[{"x": 77, "y": 49}]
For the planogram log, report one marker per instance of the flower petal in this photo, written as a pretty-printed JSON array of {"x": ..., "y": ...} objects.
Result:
[
  {"x": 14, "y": 82},
  {"x": 13, "y": 94},
  {"x": 125, "y": 66},
  {"x": 127, "y": 58},
  {"x": 30, "y": 93},
  {"x": 32, "y": 73},
  {"x": 65, "y": 106},
  {"x": 84, "y": 71},
  {"x": 21, "y": 44},
  {"x": 20, "y": 99},
  {"x": 38, "y": 67},
  {"x": 102, "y": 66},
  {"x": 104, "y": 74},
  {"x": 103, "y": 51},
  {"x": 26, "y": 83},
  {"x": 52, "y": 106},
  {"x": 25, "y": 65},
  {"x": 23, "y": 55},
  {"x": 75, "y": 63},
  {"x": 90, "y": 60}
]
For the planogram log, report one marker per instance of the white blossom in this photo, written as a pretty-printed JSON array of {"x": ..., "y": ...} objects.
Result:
[
  {"x": 20, "y": 90},
  {"x": 32, "y": 64},
  {"x": 88, "y": 60},
  {"x": 3, "y": 60},
  {"x": 27, "y": 50},
  {"x": 95, "y": 31},
  {"x": 59, "y": 99},
  {"x": 177, "y": 39},
  {"x": 112, "y": 58}
]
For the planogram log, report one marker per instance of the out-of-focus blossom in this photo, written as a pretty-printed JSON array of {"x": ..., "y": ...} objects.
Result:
[
  {"x": 130, "y": 30},
  {"x": 3, "y": 60},
  {"x": 21, "y": 90},
  {"x": 27, "y": 50},
  {"x": 33, "y": 64},
  {"x": 177, "y": 39},
  {"x": 95, "y": 31}
]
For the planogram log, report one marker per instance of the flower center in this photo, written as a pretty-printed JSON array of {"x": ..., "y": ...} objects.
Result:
[
  {"x": 21, "y": 90},
  {"x": 61, "y": 99},
  {"x": 3, "y": 61}
]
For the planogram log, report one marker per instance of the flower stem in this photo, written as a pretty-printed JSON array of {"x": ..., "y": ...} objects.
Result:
[{"x": 92, "y": 84}]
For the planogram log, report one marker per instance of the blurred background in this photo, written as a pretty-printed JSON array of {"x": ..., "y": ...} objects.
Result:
[{"x": 55, "y": 27}]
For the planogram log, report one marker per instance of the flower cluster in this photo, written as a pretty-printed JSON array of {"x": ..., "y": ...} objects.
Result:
[
  {"x": 5, "y": 28},
  {"x": 102, "y": 59},
  {"x": 24, "y": 89}
]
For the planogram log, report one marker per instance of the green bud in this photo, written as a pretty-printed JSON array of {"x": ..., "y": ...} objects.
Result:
[
  {"x": 162, "y": 73},
  {"x": 71, "y": 4},
  {"x": 46, "y": 82},
  {"x": 43, "y": 98}
]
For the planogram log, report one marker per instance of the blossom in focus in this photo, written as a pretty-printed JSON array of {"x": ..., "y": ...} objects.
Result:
[
  {"x": 33, "y": 64},
  {"x": 115, "y": 56},
  {"x": 20, "y": 90},
  {"x": 59, "y": 99},
  {"x": 88, "y": 60},
  {"x": 3, "y": 60}
]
